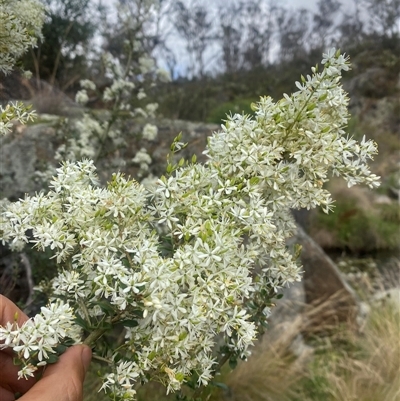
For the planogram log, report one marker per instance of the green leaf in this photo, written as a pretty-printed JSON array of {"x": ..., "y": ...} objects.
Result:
[
  {"x": 60, "y": 349},
  {"x": 323, "y": 97},
  {"x": 233, "y": 363},
  {"x": 52, "y": 359},
  {"x": 152, "y": 355},
  {"x": 183, "y": 335},
  {"x": 17, "y": 361},
  {"x": 220, "y": 385},
  {"x": 130, "y": 323},
  {"x": 81, "y": 322},
  {"x": 105, "y": 307}
]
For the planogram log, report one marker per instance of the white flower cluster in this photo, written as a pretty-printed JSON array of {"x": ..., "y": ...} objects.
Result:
[
  {"x": 37, "y": 340},
  {"x": 92, "y": 135},
  {"x": 163, "y": 75},
  {"x": 20, "y": 26},
  {"x": 143, "y": 159},
  {"x": 203, "y": 253},
  {"x": 179, "y": 302},
  {"x": 14, "y": 111},
  {"x": 146, "y": 64},
  {"x": 150, "y": 132},
  {"x": 87, "y": 84},
  {"x": 82, "y": 97},
  {"x": 119, "y": 88}
]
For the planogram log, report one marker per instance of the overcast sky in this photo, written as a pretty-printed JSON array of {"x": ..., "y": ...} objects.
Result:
[
  {"x": 177, "y": 44},
  {"x": 310, "y": 4}
]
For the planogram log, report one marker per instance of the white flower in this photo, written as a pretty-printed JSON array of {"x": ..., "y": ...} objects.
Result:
[
  {"x": 82, "y": 97},
  {"x": 27, "y": 371},
  {"x": 143, "y": 159},
  {"x": 150, "y": 132},
  {"x": 141, "y": 94},
  {"x": 163, "y": 75},
  {"x": 146, "y": 64},
  {"x": 87, "y": 84}
]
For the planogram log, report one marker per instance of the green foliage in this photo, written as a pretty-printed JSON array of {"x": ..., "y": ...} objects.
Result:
[
  {"x": 61, "y": 57},
  {"x": 316, "y": 388},
  {"x": 220, "y": 113},
  {"x": 361, "y": 230}
]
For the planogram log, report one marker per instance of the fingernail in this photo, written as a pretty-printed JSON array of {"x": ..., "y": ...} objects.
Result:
[{"x": 86, "y": 357}]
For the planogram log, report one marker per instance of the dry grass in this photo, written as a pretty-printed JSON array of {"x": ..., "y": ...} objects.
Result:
[
  {"x": 272, "y": 369},
  {"x": 342, "y": 365},
  {"x": 346, "y": 366},
  {"x": 372, "y": 372}
]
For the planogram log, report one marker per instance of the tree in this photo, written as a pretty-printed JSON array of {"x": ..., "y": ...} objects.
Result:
[
  {"x": 195, "y": 26},
  {"x": 323, "y": 26},
  {"x": 351, "y": 27},
  {"x": 384, "y": 16},
  {"x": 292, "y": 33},
  {"x": 231, "y": 37},
  {"x": 258, "y": 21},
  {"x": 62, "y": 57}
]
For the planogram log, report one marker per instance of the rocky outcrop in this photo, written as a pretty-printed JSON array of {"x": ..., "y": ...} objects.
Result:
[
  {"x": 29, "y": 150},
  {"x": 323, "y": 284}
]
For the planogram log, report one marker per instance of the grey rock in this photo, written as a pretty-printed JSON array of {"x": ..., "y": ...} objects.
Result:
[
  {"x": 27, "y": 150},
  {"x": 323, "y": 284}
]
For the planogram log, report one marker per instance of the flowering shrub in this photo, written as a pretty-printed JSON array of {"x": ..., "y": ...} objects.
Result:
[
  {"x": 200, "y": 256},
  {"x": 20, "y": 26},
  {"x": 95, "y": 134}
]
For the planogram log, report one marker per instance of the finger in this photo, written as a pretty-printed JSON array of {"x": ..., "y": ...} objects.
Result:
[
  {"x": 63, "y": 381},
  {"x": 9, "y": 383},
  {"x": 9, "y": 376},
  {"x": 6, "y": 395},
  {"x": 9, "y": 312}
]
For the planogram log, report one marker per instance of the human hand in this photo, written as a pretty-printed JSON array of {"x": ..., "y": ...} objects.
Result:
[{"x": 61, "y": 381}]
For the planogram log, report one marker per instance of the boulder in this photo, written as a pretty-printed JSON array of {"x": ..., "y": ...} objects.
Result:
[{"x": 323, "y": 287}]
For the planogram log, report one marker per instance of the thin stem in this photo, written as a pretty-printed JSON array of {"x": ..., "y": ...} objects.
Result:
[
  {"x": 101, "y": 359},
  {"x": 114, "y": 112},
  {"x": 84, "y": 309},
  {"x": 97, "y": 333},
  {"x": 94, "y": 336},
  {"x": 297, "y": 118}
]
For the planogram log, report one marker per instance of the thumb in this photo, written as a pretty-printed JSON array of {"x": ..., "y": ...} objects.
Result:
[{"x": 63, "y": 381}]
